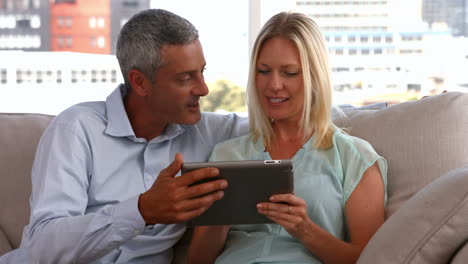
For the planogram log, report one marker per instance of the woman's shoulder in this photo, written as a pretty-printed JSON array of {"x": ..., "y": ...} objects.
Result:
[{"x": 351, "y": 144}]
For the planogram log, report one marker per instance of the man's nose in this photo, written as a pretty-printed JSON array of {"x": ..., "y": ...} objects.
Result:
[{"x": 200, "y": 89}]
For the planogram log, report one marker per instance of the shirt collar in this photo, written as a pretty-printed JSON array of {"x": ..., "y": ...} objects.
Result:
[
  {"x": 118, "y": 124},
  {"x": 260, "y": 147}
]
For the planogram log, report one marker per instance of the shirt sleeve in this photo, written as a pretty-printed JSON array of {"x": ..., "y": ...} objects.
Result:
[
  {"x": 222, "y": 127},
  {"x": 357, "y": 156},
  {"x": 60, "y": 229}
]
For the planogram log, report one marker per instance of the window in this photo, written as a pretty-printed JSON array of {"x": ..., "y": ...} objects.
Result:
[
  {"x": 92, "y": 22},
  {"x": 3, "y": 76},
  {"x": 60, "y": 21},
  {"x": 23, "y": 23},
  {"x": 68, "y": 22},
  {"x": 35, "y": 22},
  {"x": 100, "y": 22},
  {"x": 113, "y": 76},
  {"x": 103, "y": 76},
  {"x": 39, "y": 76},
  {"x": 60, "y": 42},
  {"x": 353, "y": 29},
  {"x": 129, "y": 3},
  {"x": 59, "y": 76},
  {"x": 65, "y": 1},
  {"x": 101, "y": 42},
  {"x": 93, "y": 42},
  {"x": 69, "y": 41}
]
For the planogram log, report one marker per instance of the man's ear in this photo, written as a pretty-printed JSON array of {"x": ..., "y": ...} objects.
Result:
[{"x": 140, "y": 84}]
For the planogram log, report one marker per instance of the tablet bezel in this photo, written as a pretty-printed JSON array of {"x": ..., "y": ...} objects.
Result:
[{"x": 250, "y": 182}]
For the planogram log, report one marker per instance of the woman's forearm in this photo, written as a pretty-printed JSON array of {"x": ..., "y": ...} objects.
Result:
[
  {"x": 328, "y": 248},
  {"x": 207, "y": 243}
]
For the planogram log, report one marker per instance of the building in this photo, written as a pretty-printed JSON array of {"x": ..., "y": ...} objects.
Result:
[
  {"x": 80, "y": 26},
  {"x": 453, "y": 13},
  {"x": 376, "y": 46},
  {"x": 90, "y": 26},
  {"x": 86, "y": 26},
  {"x": 24, "y": 25},
  {"x": 55, "y": 81},
  {"x": 122, "y": 10}
]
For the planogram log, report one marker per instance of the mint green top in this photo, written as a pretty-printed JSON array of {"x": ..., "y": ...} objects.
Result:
[{"x": 325, "y": 179}]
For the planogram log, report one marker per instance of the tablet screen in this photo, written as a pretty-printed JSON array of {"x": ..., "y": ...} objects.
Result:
[{"x": 250, "y": 182}]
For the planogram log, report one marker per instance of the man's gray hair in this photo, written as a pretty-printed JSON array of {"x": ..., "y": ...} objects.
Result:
[{"x": 142, "y": 37}]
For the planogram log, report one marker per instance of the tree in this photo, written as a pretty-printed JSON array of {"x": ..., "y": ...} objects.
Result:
[{"x": 224, "y": 95}]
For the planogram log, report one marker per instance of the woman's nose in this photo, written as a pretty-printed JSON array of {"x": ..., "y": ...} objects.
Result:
[{"x": 275, "y": 82}]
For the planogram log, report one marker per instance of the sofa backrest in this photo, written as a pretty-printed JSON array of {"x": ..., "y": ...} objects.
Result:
[
  {"x": 421, "y": 141},
  {"x": 19, "y": 136}
]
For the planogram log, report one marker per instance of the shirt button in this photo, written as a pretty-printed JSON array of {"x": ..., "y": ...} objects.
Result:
[
  {"x": 136, "y": 232},
  {"x": 149, "y": 178}
]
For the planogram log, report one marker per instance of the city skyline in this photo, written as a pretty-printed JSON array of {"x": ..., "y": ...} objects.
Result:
[{"x": 400, "y": 55}]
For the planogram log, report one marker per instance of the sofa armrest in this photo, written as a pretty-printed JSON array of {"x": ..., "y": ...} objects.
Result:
[
  {"x": 428, "y": 228},
  {"x": 5, "y": 246}
]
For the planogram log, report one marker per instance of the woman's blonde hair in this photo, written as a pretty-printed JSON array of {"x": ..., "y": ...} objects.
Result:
[{"x": 316, "y": 113}]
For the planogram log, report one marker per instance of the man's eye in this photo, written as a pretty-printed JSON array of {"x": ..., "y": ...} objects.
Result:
[{"x": 185, "y": 78}]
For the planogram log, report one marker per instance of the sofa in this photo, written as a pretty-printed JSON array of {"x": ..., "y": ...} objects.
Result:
[{"x": 425, "y": 143}]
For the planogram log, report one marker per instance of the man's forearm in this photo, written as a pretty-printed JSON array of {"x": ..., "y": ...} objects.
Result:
[{"x": 81, "y": 239}]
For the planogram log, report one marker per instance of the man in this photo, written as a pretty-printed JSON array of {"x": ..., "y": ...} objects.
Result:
[{"x": 101, "y": 192}]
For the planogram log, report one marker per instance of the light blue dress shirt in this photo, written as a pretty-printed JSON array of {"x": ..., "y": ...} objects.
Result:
[
  {"x": 325, "y": 179},
  {"x": 87, "y": 175}
]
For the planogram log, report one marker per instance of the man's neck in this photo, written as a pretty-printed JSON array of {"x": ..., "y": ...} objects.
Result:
[{"x": 143, "y": 123}]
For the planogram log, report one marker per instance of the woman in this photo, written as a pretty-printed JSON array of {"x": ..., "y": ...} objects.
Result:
[{"x": 339, "y": 197}]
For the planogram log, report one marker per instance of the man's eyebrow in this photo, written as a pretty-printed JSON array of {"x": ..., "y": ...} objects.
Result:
[
  {"x": 189, "y": 71},
  {"x": 185, "y": 73}
]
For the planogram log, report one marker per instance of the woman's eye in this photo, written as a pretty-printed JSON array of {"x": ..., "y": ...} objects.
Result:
[
  {"x": 290, "y": 73},
  {"x": 263, "y": 71}
]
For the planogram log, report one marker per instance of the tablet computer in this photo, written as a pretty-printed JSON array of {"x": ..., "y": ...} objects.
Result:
[{"x": 250, "y": 182}]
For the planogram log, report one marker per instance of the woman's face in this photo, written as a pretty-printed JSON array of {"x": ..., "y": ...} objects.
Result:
[{"x": 279, "y": 79}]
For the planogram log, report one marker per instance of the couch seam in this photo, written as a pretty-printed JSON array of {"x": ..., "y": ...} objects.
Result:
[{"x": 429, "y": 235}]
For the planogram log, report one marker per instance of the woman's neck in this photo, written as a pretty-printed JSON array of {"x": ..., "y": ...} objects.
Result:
[{"x": 289, "y": 138}]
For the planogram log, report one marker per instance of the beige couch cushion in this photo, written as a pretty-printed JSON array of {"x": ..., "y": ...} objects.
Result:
[
  {"x": 19, "y": 136},
  {"x": 429, "y": 228},
  {"x": 421, "y": 141}
]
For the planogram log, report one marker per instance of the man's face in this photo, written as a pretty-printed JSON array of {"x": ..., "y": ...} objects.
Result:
[{"x": 179, "y": 83}]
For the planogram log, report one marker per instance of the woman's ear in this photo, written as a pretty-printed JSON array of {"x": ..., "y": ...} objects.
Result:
[{"x": 140, "y": 84}]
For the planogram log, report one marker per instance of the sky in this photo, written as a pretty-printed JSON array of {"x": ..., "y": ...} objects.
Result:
[{"x": 223, "y": 29}]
